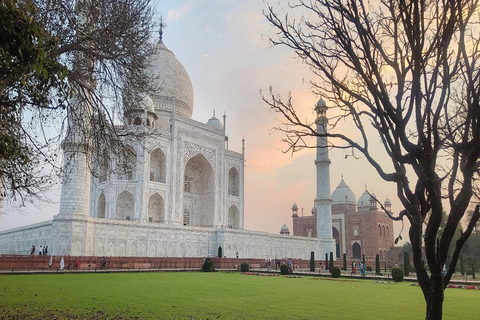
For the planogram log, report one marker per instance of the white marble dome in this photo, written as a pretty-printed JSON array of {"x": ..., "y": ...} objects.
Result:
[
  {"x": 284, "y": 229},
  {"x": 171, "y": 81},
  {"x": 364, "y": 200},
  {"x": 215, "y": 123},
  {"x": 343, "y": 194}
]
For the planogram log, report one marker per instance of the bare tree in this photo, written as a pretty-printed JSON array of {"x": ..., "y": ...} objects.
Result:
[
  {"x": 409, "y": 70},
  {"x": 95, "y": 50}
]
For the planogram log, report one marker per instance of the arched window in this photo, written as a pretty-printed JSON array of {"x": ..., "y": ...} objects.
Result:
[
  {"x": 355, "y": 231},
  {"x": 233, "y": 182},
  {"x": 380, "y": 230},
  {"x": 233, "y": 217},
  {"x": 127, "y": 165},
  {"x": 103, "y": 166},
  {"x": 309, "y": 233},
  {"x": 186, "y": 217},
  {"x": 156, "y": 208},
  {"x": 383, "y": 229},
  {"x": 388, "y": 231},
  {"x": 101, "y": 206},
  {"x": 125, "y": 206},
  {"x": 158, "y": 166}
]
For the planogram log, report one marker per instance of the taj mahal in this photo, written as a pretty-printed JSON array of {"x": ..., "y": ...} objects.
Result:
[{"x": 183, "y": 192}]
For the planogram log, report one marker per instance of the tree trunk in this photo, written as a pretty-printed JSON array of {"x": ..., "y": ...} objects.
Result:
[{"x": 434, "y": 298}]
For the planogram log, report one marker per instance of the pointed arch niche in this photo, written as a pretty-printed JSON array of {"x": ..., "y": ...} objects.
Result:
[
  {"x": 199, "y": 191},
  {"x": 233, "y": 217},
  {"x": 233, "y": 182},
  {"x": 156, "y": 209},
  {"x": 125, "y": 206},
  {"x": 101, "y": 206},
  {"x": 158, "y": 166}
]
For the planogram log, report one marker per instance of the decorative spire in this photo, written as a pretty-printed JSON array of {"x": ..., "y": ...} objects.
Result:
[
  {"x": 162, "y": 26},
  {"x": 214, "y": 113}
]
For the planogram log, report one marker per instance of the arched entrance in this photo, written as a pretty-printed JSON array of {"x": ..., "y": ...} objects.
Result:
[
  {"x": 357, "y": 251},
  {"x": 199, "y": 191},
  {"x": 125, "y": 206}
]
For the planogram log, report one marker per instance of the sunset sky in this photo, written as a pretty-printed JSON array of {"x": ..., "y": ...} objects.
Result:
[{"x": 223, "y": 45}]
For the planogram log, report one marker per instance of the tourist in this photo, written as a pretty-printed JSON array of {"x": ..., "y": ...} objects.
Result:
[
  {"x": 40, "y": 250},
  {"x": 77, "y": 263},
  {"x": 50, "y": 262},
  {"x": 354, "y": 268},
  {"x": 46, "y": 250},
  {"x": 361, "y": 269},
  {"x": 104, "y": 263},
  {"x": 33, "y": 250},
  {"x": 62, "y": 264}
]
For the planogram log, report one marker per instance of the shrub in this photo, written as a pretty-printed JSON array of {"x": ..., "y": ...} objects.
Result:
[
  {"x": 335, "y": 272},
  {"x": 284, "y": 269},
  {"x": 331, "y": 261},
  {"x": 345, "y": 262},
  {"x": 312, "y": 261},
  {"x": 368, "y": 268},
  {"x": 244, "y": 267},
  {"x": 377, "y": 264},
  {"x": 473, "y": 272},
  {"x": 406, "y": 263},
  {"x": 397, "y": 274},
  {"x": 326, "y": 261},
  {"x": 208, "y": 265}
]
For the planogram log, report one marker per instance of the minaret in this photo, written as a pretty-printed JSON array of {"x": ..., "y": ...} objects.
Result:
[
  {"x": 323, "y": 201},
  {"x": 75, "y": 196}
]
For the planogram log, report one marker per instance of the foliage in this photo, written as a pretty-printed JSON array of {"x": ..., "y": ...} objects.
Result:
[
  {"x": 377, "y": 264},
  {"x": 345, "y": 262},
  {"x": 368, "y": 269},
  {"x": 473, "y": 271},
  {"x": 326, "y": 261},
  {"x": 407, "y": 70},
  {"x": 284, "y": 269},
  {"x": 312, "y": 261},
  {"x": 208, "y": 265},
  {"x": 244, "y": 267},
  {"x": 406, "y": 263},
  {"x": 56, "y": 56},
  {"x": 331, "y": 261},
  {"x": 335, "y": 272},
  {"x": 397, "y": 274},
  {"x": 363, "y": 258}
]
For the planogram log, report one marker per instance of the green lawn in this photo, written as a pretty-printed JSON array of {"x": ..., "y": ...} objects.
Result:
[{"x": 196, "y": 295}]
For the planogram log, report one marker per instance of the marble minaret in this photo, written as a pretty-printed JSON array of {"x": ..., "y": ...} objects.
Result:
[{"x": 323, "y": 201}]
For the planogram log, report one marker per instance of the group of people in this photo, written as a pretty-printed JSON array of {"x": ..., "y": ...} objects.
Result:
[
  {"x": 42, "y": 250},
  {"x": 362, "y": 268}
]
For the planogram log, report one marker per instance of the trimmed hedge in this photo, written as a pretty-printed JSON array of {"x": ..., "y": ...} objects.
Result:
[
  {"x": 335, "y": 271},
  {"x": 312, "y": 261},
  {"x": 397, "y": 274},
  {"x": 244, "y": 267},
  {"x": 208, "y": 265},
  {"x": 284, "y": 269}
]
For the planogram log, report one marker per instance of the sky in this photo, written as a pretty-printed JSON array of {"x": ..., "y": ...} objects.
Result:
[{"x": 223, "y": 45}]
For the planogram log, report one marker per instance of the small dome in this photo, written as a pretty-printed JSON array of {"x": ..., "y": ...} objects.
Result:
[
  {"x": 294, "y": 206},
  {"x": 215, "y": 123},
  {"x": 387, "y": 202},
  {"x": 284, "y": 229},
  {"x": 147, "y": 103},
  {"x": 343, "y": 194},
  {"x": 321, "y": 103},
  {"x": 364, "y": 200}
]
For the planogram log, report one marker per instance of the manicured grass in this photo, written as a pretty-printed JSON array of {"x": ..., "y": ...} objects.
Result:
[{"x": 197, "y": 295}]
